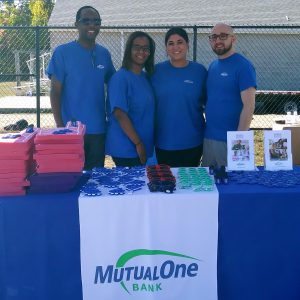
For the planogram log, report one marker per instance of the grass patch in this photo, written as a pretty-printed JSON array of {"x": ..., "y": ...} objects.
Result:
[
  {"x": 259, "y": 147},
  {"x": 7, "y": 89}
]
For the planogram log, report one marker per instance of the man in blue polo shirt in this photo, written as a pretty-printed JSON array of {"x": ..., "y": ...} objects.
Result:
[
  {"x": 78, "y": 71},
  {"x": 231, "y": 87}
]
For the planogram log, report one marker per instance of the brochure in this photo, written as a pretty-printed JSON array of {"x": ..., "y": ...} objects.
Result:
[
  {"x": 278, "y": 150},
  {"x": 240, "y": 151}
]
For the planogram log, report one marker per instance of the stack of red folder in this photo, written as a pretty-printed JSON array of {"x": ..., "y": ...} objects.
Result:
[
  {"x": 59, "y": 157},
  {"x": 60, "y": 149},
  {"x": 16, "y": 162}
]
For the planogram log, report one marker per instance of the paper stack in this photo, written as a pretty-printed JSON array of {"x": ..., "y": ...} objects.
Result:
[
  {"x": 59, "y": 156},
  {"x": 16, "y": 161}
]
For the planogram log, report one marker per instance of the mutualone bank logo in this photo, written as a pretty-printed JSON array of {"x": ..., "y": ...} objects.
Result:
[{"x": 144, "y": 278}]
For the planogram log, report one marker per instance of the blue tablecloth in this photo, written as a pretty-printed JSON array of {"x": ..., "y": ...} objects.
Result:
[
  {"x": 258, "y": 254},
  {"x": 259, "y": 243},
  {"x": 39, "y": 247}
]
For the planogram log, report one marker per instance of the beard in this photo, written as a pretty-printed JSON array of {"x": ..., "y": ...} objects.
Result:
[{"x": 222, "y": 51}]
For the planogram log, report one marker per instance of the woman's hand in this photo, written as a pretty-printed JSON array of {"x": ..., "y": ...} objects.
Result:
[
  {"x": 130, "y": 131},
  {"x": 141, "y": 151}
]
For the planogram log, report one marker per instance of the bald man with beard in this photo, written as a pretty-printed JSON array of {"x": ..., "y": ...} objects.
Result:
[{"x": 231, "y": 87}]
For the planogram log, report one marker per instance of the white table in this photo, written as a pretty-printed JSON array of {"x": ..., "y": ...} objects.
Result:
[{"x": 155, "y": 231}]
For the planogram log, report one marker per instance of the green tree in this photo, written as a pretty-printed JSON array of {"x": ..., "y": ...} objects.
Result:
[
  {"x": 40, "y": 11},
  {"x": 32, "y": 12},
  {"x": 27, "y": 13},
  {"x": 24, "y": 15},
  {"x": 8, "y": 14}
]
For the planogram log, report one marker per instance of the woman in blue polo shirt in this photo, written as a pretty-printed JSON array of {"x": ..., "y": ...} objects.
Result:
[
  {"x": 130, "y": 133},
  {"x": 179, "y": 88}
]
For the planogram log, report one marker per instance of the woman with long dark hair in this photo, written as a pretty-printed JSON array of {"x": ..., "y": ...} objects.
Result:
[
  {"x": 179, "y": 87},
  {"x": 130, "y": 131}
]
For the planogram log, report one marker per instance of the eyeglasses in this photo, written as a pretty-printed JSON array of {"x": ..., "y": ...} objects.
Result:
[
  {"x": 221, "y": 36},
  {"x": 86, "y": 21},
  {"x": 138, "y": 48}
]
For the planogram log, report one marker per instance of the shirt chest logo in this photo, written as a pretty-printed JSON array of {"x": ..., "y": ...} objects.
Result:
[
  {"x": 188, "y": 81},
  {"x": 224, "y": 74},
  {"x": 100, "y": 67}
]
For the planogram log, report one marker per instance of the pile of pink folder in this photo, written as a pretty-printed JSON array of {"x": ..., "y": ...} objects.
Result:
[
  {"x": 59, "y": 157},
  {"x": 60, "y": 149},
  {"x": 16, "y": 162}
]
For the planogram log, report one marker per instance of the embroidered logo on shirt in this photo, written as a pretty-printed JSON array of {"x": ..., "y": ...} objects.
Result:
[
  {"x": 224, "y": 74},
  {"x": 100, "y": 67},
  {"x": 188, "y": 81}
]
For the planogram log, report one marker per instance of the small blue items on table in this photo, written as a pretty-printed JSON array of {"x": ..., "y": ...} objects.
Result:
[
  {"x": 278, "y": 179},
  {"x": 115, "y": 181}
]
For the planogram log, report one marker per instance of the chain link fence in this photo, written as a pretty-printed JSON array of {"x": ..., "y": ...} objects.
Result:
[{"x": 25, "y": 53}]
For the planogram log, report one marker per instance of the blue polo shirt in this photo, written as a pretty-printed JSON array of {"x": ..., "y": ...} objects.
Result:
[
  {"x": 227, "y": 78},
  {"x": 82, "y": 73},
  {"x": 179, "y": 95},
  {"x": 132, "y": 94}
]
